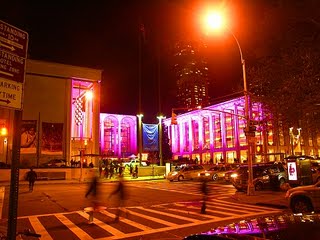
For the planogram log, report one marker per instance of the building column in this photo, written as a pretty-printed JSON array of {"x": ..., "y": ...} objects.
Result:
[
  {"x": 119, "y": 138},
  {"x": 190, "y": 139},
  {"x": 200, "y": 124},
  {"x": 96, "y": 119}
]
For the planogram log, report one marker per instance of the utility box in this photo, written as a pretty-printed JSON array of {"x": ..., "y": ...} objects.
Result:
[{"x": 299, "y": 170}]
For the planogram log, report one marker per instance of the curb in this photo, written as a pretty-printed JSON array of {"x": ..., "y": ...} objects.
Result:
[{"x": 43, "y": 182}]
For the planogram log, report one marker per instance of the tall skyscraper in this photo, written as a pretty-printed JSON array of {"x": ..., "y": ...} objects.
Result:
[{"x": 192, "y": 74}]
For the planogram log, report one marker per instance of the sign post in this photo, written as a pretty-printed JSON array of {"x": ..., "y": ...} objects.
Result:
[{"x": 13, "y": 55}]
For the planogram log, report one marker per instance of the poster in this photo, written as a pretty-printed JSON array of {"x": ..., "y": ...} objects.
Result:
[
  {"x": 292, "y": 171},
  {"x": 51, "y": 138},
  {"x": 29, "y": 136}
]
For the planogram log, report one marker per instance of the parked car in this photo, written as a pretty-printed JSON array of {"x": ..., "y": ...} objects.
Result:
[
  {"x": 55, "y": 163},
  {"x": 215, "y": 173},
  {"x": 134, "y": 162},
  {"x": 4, "y": 165},
  {"x": 264, "y": 176},
  {"x": 304, "y": 199},
  {"x": 315, "y": 174},
  {"x": 186, "y": 172},
  {"x": 227, "y": 175}
]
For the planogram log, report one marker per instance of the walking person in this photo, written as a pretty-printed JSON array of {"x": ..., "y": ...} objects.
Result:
[
  {"x": 31, "y": 177},
  {"x": 119, "y": 192},
  {"x": 205, "y": 192},
  {"x": 93, "y": 194},
  {"x": 136, "y": 171}
]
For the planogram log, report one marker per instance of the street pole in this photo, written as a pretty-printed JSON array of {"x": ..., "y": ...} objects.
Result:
[
  {"x": 160, "y": 140},
  {"x": 250, "y": 139},
  {"x": 140, "y": 136}
]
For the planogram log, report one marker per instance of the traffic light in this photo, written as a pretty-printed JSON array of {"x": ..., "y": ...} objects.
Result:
[
  {"x": 259, "y": 149},
  {"x": 174, "y": 120}
]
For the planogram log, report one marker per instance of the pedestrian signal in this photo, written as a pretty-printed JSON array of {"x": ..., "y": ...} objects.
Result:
[
  {"x": 258, "y": 149},
  {"x": 174, "y": 120}
]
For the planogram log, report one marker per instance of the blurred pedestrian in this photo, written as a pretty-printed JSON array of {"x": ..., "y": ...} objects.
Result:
[
  {"x": 136, "y": 171},
  {"x": 91, "y": 164},
  {"x": 120, "y": 193},
  {"x": 93, "y": 195},
  {"x": 31, "y": 177},
  {"x": 204, "y": 191}
]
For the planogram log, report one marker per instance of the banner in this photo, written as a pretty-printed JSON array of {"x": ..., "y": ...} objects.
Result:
[
  {"x": 51, "y": 138},
  {"x": 150, "y": 136},
  {"x": 28, "y": 136}
]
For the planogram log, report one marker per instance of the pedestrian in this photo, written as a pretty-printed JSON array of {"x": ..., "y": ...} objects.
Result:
[
  {"x": 31, "y": 177},
  {"x": 91, "y": 164},
  {"x": 204, "y": 191},
  {"x": 136, "y": 171},
  {"x": 120, "y": 193},
  {"x": 93, "y": 193},
  {"x": 111, "y": 171},
  {"x": 131, "y": 170}
]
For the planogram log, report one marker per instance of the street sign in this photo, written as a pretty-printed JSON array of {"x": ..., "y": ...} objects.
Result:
[{"x": 13, "y": 55}]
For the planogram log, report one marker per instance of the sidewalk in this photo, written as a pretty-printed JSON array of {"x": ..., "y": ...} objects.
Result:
[
  {"x": 77, "y": 181},
  {"x": 274, "y": 199}
]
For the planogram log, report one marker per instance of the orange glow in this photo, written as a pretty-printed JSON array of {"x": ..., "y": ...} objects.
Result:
[
  {"x": 89, "y": 95},
  {"x": 214, "y": 19},
  {"x": 4, "y": 131}
]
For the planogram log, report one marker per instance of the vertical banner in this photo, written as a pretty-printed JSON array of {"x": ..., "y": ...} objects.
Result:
[
  {"x": 28, "y": 136},
  {"x": 52, "y": 138},
  {"x": 150, "y": 135}
]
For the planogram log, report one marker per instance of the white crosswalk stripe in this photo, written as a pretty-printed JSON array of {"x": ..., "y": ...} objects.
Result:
[{"x": 142, "y": 220}]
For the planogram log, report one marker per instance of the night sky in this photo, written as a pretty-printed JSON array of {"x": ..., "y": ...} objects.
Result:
[{"x": 105, "y": 35}]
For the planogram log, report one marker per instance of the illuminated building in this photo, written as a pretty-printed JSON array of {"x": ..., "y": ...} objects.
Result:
[
  {"x": 217, "y": 133},
  {"x": 61, "y": 107},
  {"x": 192, "y": 75},
  {"x": 118, "y": 136}
]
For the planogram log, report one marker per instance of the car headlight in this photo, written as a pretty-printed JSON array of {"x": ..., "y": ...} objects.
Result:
[
  {"x": 234, "y": 175},
  {"x": 174, "y": 173},
  {"x": 265, "y": 177},
  {"x": 207, "y": 174}
]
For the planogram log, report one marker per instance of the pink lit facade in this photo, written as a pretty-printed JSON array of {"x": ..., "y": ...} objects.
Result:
[
  {"x": 118, "y": 135},
  {"x": 217, "y": 132}
]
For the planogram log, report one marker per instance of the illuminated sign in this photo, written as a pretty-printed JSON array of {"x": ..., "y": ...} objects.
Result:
[{"x": 292, "y": 171}]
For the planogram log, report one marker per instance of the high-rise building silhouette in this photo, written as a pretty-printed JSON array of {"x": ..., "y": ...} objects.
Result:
[{"x": 192, "y": 74}]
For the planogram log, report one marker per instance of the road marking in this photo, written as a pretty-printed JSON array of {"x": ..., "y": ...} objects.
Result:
[
  {"x": 157, "y": 220},
  {"x": 103, "y": 225},
  {"x": 255, "y": 207},
  {"x": 132, "y": 223},
  {"x": 168, "y": 214},
  {"x": 74, "y": 228},
  {"x": 39, "y": 228},
  {"x": 193, "y": 213}
]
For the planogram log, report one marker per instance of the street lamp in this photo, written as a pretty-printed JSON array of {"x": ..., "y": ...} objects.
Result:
[
  {"x": 160, "y": 138},
  {"x": 215, "y": 21},
  {"x": 140, "y": 136}
]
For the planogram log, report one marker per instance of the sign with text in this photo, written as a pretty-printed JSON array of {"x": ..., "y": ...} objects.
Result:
[{"x": 13, "y": 55}]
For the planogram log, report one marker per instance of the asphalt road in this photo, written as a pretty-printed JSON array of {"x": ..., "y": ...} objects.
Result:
[{"x": 153, "y": 210}]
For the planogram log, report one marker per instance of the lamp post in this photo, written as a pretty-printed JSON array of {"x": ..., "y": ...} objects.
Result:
[
  {"x": 160, "y": 139},
  {"x": 140, "y": 136},
  {"x": 216, "y": 21}
]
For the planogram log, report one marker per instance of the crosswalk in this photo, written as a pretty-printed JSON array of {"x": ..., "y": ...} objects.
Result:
[
  {"x": 137, "y": 220},
  {"x": 216, "y": 191}
]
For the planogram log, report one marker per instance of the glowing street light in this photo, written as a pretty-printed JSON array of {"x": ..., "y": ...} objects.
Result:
[{"x": 215, "y": 21}]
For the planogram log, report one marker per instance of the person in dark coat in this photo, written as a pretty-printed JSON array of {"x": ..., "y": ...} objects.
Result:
[
  {"x": 31, "y": 177},
  {"x": 121, "y": 196},
  {"x": 92, "y": 194},
  {"x": 204, "y": 190}
]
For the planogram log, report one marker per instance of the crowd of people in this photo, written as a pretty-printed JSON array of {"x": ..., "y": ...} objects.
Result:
[{"x": 108, "y": 169}]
